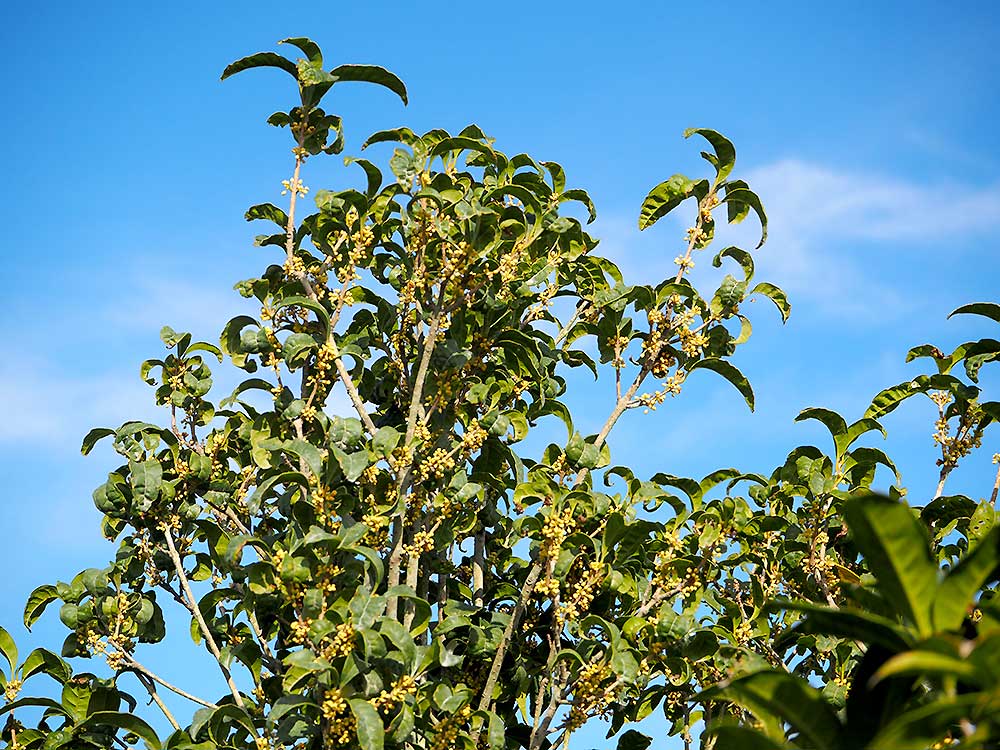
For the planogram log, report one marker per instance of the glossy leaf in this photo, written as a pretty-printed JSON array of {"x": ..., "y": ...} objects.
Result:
[{"x": 895, "y": 546}]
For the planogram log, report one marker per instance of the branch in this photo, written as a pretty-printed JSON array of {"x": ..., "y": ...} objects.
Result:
[
  {"x": 151, "y": 689},
  {"x": 196, "y": 612},
  {"x": 396, "y": 555},
  {"x": 996, "y": 487},
  {"x": 536, "y": 569},
  {"x": 139, "y": 668}
]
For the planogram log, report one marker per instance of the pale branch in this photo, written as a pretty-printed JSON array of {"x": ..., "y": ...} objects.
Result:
[
  {"x": 137, "y": 667},
  {"x": 564, "y": 331},
  {"x": 479, "y": 568},
  {"x": 996, "y": 488},
  {"x": 536, "y": 569},
  {"x": 196, "y": 613},
  {"x": 526, "y": 591},
  {"x": 155, "y": 697},
  {"x": 398, "y": 522}
]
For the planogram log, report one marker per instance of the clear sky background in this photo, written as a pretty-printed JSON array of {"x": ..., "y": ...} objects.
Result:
[{"x": 869, "y": 130}]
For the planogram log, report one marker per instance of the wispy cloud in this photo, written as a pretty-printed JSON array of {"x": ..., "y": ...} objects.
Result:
[
  {"x": 833, "y": 233},
  {"x": 41, "y": 403}
]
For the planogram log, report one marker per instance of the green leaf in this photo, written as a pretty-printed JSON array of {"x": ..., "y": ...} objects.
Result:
[
  {"x": 989, "y": 310},
  {"x": 261, "y": 60},
  {"x": 788, "y": 698},
  {"x": 8, "y": 649},
  {"x": 927, "y": 663},
  {"x": 309, "y": 48},
  {"x": 835, "y": 423},
  {"x": 777, "y": 296},
  {"x": 39, "y": 599},
  {"x": 664, "y": 198},
  {"x": 93, "y": 436},
  {"x": 42, "y": 660},
  {"x": 46, "y": 703},
  {"x": 725, "y": 153},
  {"x": 733, "y": 737},
  {"x": 371, "y": 74},
  {"x": 889, "y": 398},
  {"x": 120, "y": 720},
  {"x": 147, "y": 477},
  {"x": 741, "y": 197},
  {"x": 956, "y": 593},
  {"x": 740, "y": 256},
  {"x": 847, "y": 622},
  {"x": 297, "y": 348},
  {"x": 385, "y": 440},
  {"x": 267, "y": 212},
  {"x": 576, "y": 194},
  {"x": 633, "y": 740},
  {"x": 373, "y": 173},
  {"x": 371, "y": 733},
  {"x": 922, "y": 727},
  {"x": 365, "y": 608},
  {"x": 896, "y": 548},
  {"x": 730, "y": 373}
]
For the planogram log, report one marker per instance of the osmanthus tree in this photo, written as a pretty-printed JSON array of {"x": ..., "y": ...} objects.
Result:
[{"x": 412, "y": 575}]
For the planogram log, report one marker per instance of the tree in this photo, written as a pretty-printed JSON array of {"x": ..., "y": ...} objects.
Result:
[{"x": 414, "y": 576}]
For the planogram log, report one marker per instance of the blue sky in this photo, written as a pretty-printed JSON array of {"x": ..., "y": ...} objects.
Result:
[{"x": 869, "y": 131}]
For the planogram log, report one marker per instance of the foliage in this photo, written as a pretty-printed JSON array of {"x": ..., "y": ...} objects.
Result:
[{"x": 414, "y": 575}]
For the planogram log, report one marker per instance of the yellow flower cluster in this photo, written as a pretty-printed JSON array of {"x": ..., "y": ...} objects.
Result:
[
  {"x": 590, "y": 697},
  {"x": 434, "y": 466},
  {"x": 558, "y": 525},
  {"x": 547, "y": 587},
  {"x": 422, "y": 432},
  {"x": 423, "y": 541},
  {"x": 743, "y": 632},
  {"x": 708, "y": 203},
  {"x": 619, "y": 344},
  {"x": 507, "y": 270},
  {"x": 342, "y": 643},
  {"x": 11, "y": 690},
  {"x": 670, "y": 387},
  {"x": 300, "y": 630},
  {"x": 446, "y": 732},
  {"x": 544, "y": 302},
  {"x": 323, "y": 500},
  {"x": 966, "y": 439},
  {"x": 404, "y": 687},
  {"x": 456, "y": 261},
  {"x": 474, "y": 437},
  {"x": 294, "y": 267},
  {"x": 684, "y": 261},
  {"x": 948, "y": 741},
  {"x": 340, "y": 723},
  {"x": 583, "y": 594}
]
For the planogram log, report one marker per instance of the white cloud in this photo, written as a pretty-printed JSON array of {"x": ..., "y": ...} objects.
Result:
[
  {"x": 818, "y": 212},
  {"x": 817, "y": 200},
  {"x": 41, "y": 404},
  {"x": 834, "y": 234}
]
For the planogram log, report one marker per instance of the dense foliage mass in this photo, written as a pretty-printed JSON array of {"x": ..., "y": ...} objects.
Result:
[{"x": 412, "y": 576}]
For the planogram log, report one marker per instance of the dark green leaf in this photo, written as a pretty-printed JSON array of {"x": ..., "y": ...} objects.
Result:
[
  {"x": 896, "y": 548},
  {"x": 664, "y": 198},
  {"x": 371, "y": 733},
  {"x": 371, "y": 74},
  {"x": 730, "y": 373},
  {"x": 261, "y": 60}
]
